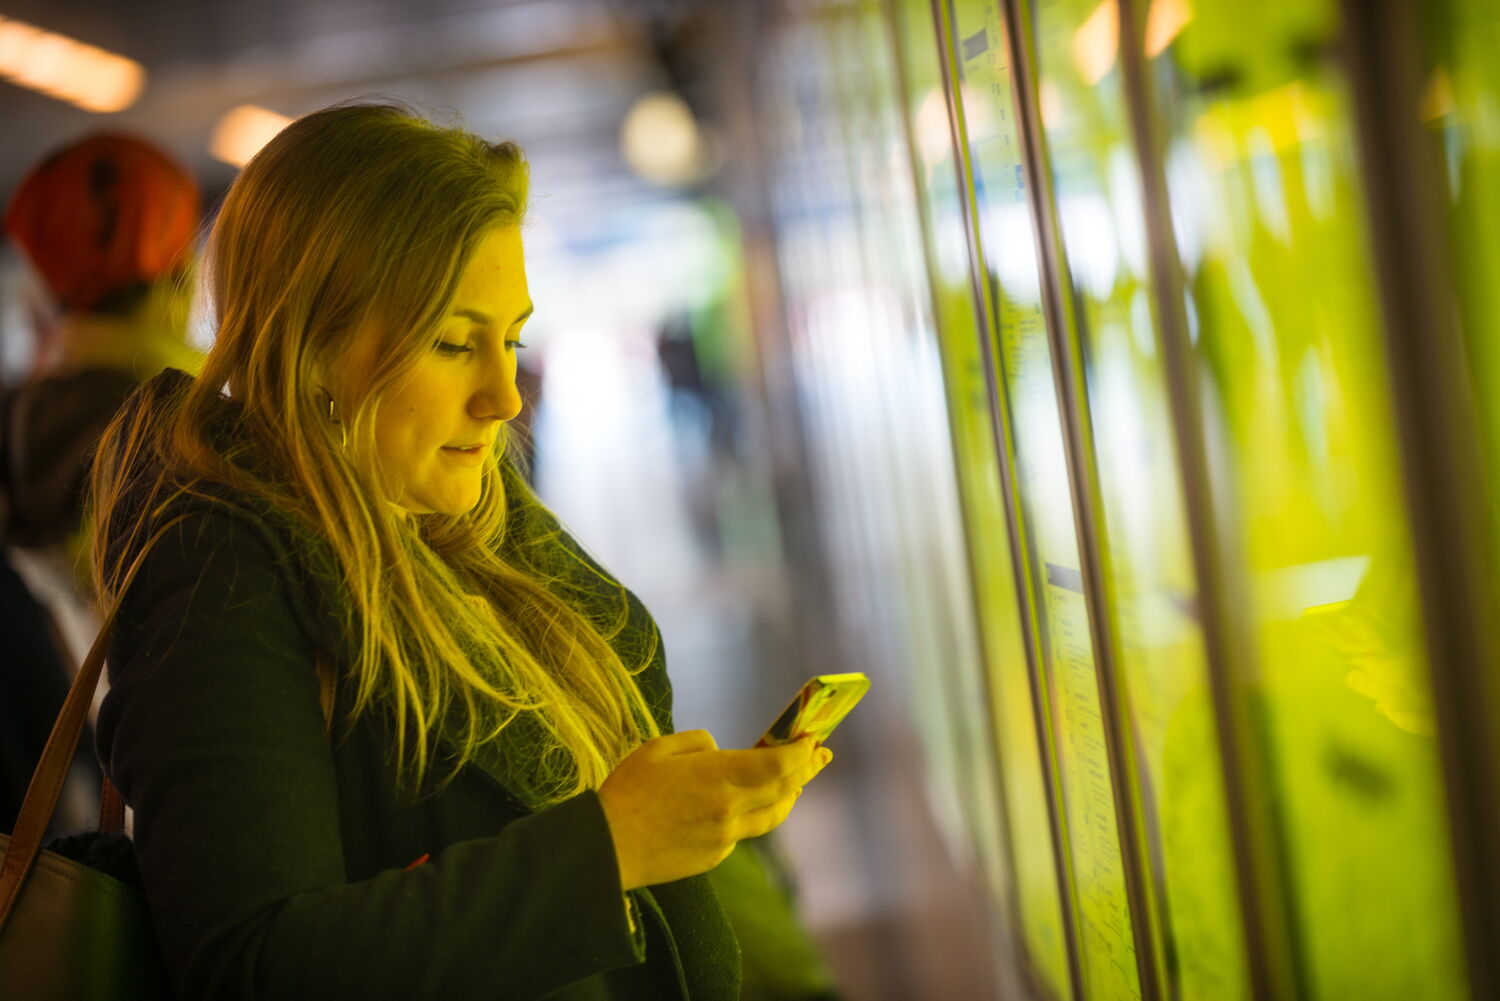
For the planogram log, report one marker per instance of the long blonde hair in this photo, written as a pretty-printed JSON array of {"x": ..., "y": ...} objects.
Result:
[{"x": 360, "y": 220}]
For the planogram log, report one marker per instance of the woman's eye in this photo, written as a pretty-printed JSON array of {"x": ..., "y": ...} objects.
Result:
[
  {"x": 514, "y": 344},
  {"x": 450, "y": 349}
]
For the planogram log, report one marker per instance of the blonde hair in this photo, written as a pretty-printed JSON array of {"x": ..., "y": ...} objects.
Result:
[{"x": 359, "y": 221}]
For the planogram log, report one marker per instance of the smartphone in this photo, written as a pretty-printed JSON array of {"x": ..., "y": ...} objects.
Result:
[{"x": 821, "y": 705}]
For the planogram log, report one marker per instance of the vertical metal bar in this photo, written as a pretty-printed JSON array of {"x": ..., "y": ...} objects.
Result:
[
  {"x": 1005, "y": 450},
  {"x": 1084, "y": 488},
  {"x": 1267, "y": 955},
  {"x": 1436, "y": 415}
]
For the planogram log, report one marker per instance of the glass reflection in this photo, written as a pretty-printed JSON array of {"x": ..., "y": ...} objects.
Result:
[{"x": 1266, "y": 205}]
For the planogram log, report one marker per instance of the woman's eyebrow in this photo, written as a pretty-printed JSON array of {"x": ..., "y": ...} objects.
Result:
[{"x": 485, "y": 319}]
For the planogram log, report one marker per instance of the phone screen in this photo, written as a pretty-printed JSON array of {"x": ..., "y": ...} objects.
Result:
[{"x": 818, "y": 708}]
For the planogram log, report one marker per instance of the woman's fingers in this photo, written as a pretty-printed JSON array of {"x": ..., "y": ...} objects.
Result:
[
  {"x": 784, "y": 787},
  {"x": 677, "y": 804},
  {"x": 767, "y": 818},
  {"x": 820, "y": 759},
  {"x": 760, "y": 765}
]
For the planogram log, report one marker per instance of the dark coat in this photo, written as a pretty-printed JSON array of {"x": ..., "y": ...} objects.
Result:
[
  {"x": 48, "y": 428},
  {"x": 278, "y": 859}
]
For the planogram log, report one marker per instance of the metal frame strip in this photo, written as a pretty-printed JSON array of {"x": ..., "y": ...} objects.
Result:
[{"x": 1084, "y": 487}]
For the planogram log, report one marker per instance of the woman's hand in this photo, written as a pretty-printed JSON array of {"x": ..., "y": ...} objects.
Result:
[{"x": 677, "y": 805}]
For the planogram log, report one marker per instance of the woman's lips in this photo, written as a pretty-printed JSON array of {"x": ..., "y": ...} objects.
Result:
[{"x": 469, "y": 455}]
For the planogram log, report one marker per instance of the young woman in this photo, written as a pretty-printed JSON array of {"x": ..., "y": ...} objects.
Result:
[{"x": 387, "y": 730}]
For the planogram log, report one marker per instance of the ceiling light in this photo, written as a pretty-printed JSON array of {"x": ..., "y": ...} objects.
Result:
[
  {"x": 81, "y": 74},
  {"x": 242, "y": 132},
  {"x": 661, "y": 142}
]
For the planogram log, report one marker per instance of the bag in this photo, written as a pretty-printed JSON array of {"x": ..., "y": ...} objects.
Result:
[{"x": 69, "y": 932}]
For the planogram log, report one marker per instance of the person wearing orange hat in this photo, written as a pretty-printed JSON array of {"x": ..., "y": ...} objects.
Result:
[{"x": 108, "y": 225}]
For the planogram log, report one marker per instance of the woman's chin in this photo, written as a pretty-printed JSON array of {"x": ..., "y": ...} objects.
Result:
[{"x": 454, "y": 502}]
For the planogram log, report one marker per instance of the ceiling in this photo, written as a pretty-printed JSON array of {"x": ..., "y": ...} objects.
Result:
[{"x": 556, "y": 75}]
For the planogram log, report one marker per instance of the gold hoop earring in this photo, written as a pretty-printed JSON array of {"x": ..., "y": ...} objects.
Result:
[{"x": 333, "y": 418}]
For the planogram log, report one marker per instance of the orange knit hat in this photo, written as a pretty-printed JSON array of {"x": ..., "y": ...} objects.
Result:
[{"x": 102, "y": 215}]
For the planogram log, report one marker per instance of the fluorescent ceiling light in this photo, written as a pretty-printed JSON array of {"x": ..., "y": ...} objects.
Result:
[
  {"x": 81, "y": 74},
  {"x": 242, "y": 132}
]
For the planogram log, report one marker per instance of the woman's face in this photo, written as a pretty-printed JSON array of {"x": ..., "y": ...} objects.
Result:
[{"x": 435, "y": 430}]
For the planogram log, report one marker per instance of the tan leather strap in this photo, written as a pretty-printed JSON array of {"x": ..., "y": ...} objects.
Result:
[
  {"x": 57, "y": 756},
  {"x": 47, "y": 780}
]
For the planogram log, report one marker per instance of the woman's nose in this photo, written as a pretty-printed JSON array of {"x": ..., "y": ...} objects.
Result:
[{"x": 498, "y": 398}]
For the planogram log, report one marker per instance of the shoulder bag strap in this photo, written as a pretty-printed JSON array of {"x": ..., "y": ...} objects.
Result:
[{"x": 47, "y": 781}]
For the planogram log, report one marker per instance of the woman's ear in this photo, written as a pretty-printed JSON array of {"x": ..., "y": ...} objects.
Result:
[
  {"x": 328, "y": 375},
  {"x": 328, "y": 389},
  {"x": 343, "y": 367}
]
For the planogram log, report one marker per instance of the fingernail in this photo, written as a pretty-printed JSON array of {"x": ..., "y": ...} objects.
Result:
[{"x": 827, "y": 755}]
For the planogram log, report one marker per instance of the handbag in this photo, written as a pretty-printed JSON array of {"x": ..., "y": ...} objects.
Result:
[{"x": 69, "y": 932}]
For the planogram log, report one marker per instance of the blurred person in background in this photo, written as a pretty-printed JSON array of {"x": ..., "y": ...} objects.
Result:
[
  {"x": 107, "y": 225},
  {"x": 387, "y": 729}
]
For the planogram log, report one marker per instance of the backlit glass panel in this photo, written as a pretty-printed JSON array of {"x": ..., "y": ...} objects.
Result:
[{"x": 1269, "y": 221}]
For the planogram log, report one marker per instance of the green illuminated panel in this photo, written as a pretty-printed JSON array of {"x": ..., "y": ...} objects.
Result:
[
  {"x": 1268, "y": 215},
  {"x": 1148, "y": 559}
]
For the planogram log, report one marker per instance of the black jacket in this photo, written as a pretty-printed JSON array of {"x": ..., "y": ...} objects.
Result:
[
  {"x": 278, "y": 859},
  {"x": 48, "y": 428}
]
